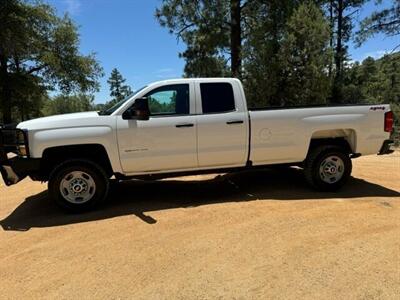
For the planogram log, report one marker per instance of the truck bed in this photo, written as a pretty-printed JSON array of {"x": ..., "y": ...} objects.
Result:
[{"x": 283, "y": 135}]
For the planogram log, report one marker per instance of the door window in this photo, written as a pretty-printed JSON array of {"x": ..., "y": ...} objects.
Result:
[
  {"x": 169, "y": 100},
  {"x": 217, "y": 97}
]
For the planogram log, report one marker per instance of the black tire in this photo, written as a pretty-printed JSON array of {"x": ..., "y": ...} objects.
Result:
[
  {"x": 97, "y": 185},
  {"x": 317, "y": 159}
]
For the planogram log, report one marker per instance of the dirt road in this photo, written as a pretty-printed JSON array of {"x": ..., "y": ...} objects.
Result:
[{"x": 260, "y": 234}]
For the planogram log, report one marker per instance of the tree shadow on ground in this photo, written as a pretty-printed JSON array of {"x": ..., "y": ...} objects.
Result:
[{"x": 139, "y": 197}]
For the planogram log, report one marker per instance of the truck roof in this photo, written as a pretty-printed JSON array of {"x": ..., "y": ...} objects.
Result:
[{"x": 212, "y": 79}]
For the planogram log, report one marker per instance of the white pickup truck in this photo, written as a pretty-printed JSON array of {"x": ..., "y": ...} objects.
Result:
[{"x": 188, "y": 126}]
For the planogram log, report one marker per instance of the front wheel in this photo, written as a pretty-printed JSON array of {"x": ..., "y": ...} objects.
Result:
[
  {"x": 78, "y": 185},
  {"x": 327, "y": 168}
]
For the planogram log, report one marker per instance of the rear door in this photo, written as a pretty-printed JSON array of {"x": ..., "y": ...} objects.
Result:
[{"x": 222, "y": 125}]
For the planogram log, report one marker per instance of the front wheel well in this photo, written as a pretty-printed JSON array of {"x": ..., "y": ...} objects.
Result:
[{"x": 54, "y": 156}]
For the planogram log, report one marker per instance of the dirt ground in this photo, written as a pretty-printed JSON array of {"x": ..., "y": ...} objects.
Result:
[{"x": 251, "y": 235}]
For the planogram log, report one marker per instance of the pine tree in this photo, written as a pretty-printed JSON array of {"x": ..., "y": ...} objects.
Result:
[
  {"x": 212, "y": 31},
  {"x": 118, "y": 90},
  {"x": 304, "y": 56},
  {"x": 386, "y": 21},
  {"x": 265, "y": 25},
  {"x": 341, "y": 16}
]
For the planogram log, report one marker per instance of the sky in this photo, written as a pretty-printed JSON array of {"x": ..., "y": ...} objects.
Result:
[{"x": 125, "y": 35}]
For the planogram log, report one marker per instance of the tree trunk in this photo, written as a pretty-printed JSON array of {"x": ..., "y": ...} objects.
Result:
[
  {"x": 236, "y": 39},
  {"x": 339, "y": 50},
  {"x": 337, "y": 82},
  {"x": 5, "y": 97},
  {"x": 332, "y": 27}
]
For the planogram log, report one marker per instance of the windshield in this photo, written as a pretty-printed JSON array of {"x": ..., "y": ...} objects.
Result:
[{"x": 110, "y": 110}]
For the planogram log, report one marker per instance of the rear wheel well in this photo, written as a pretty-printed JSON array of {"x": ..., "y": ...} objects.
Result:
[
  {"x": 54, "y": 156},
  {"x": 339, "y": 142}
]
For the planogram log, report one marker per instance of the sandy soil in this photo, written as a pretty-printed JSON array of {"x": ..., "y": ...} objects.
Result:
[{"x": 253, "y": 235}]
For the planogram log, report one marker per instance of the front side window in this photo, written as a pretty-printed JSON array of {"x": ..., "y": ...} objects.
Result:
[
  {"x": 109, "y": 111},
  {"x": 217, "y": 97},
  {"x": 169, "y": 100}
]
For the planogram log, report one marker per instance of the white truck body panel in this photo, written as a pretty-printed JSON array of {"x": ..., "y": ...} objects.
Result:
[
  {"x": 73, "y": 129},
  {"x": 154, "y": 145},
  {"x": 219, "y": 144},
  {"x": 263, "y": 137},
  {"x": 284, "y": 135}
]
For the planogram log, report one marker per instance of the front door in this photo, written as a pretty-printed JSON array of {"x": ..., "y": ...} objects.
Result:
[{"x": 165, "y": 142}]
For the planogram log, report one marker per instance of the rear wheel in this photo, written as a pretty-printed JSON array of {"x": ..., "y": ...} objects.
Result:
[
  {"x": 78, "y": 185},
  {"x": 327, "y": 168}
]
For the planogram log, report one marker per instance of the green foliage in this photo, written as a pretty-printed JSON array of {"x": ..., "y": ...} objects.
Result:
[
  {"x": 162, "y": 102},
  {"x": 385, "y": 21},
  {"x": 63, "y": 104},
  {"x": 118, "y": 90},
  {"x": 263, "y": 72},
  {"x": 386, "y": 82},
  {"x": 290, "y": 52},
  {"x": 341, "y": 16},
  {"x": 286, "y": 54},
  {"x": 204, "y": 27},
  {"x": 377, "y": 81},
  {"x": 304, "y": 56},
  {"x": 158, "y": 107},
  {"x": 280, "y": 64},
  {"x": 39, "y": 52},
  {"x": 200, "y": 63}
]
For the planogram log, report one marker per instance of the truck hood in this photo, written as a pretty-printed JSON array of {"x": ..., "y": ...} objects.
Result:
[{"x": 60, "y": 121}]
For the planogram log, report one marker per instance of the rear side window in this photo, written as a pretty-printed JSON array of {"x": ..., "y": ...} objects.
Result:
[{"x": 217, "y": 97}]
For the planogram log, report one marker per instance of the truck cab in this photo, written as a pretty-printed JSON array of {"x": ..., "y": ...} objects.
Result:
[{"x": 192, "y": 124}]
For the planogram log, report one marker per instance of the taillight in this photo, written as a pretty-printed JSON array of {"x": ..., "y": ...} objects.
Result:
[{"x": 389, "y": 121}]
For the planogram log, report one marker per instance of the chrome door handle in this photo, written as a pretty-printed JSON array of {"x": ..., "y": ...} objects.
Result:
[
  {"x": 234, "y": 122},
  {"x": 184, "y": 125}
]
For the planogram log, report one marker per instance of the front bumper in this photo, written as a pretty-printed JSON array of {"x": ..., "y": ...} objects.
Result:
[
  {"x": 387, "y": 147},
  {"x": 16, "y": 168}
]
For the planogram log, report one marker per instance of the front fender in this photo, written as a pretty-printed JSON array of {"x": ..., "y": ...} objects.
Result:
[{"x": 41, "y": 140}]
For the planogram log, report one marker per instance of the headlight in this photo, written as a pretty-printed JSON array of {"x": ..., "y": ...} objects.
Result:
[
  {"x": 20, "y": 137},
  {"x": 21, "y": 142}
]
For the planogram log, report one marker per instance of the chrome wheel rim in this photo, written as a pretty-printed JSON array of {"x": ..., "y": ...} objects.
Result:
[
  {"x": 331, "y": 169},
  {"x": 77, "y": 187}
]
